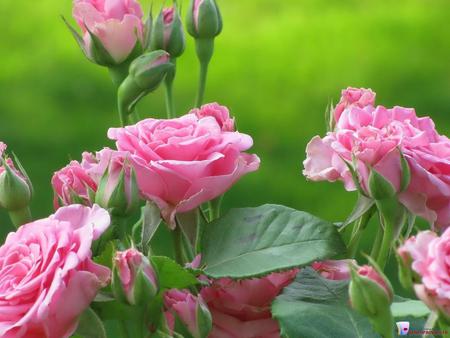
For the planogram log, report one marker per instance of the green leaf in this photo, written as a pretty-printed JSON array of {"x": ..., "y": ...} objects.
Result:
[
  {"x": 315, "y": 307},
  {"x": 151, "y": 219},
  {"x": 363, "y": 205},
  {"x": 90, "y": 325},
  {"x": 255, "y": 241},
  {"x": 403, "y": 307},
  {"x": 171, "y": 275}
]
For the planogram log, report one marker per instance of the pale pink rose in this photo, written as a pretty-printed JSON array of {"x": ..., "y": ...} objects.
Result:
[
  {"x": 117, "y": 23},
  {"x": 188, "y": 308},
  {"x": 129, "y": 263},
  {"x": 334, "y": 270},
  {"x": 372, "y": 136},
  {"x": 430, "y": 257},
  {"x": 111, "y": 163},
  {"x": 220, "y": 113},
  {"x": 242, "y": 308},
  {"x": 47, "y": 277},
  {"x": 183, "y": 162},
  {"x": 168, "y": 16},
  {"x": 73, "y": 185},
  {"x": 372, "y": 274}
]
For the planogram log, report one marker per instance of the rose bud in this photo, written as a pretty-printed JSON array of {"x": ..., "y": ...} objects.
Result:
[
  {"x": 371, "y": 294},
  {"x": 334, "y": 270},
  {"x": 145, "y": 75},
  {"x": 15, "y": 191},
  {"x": 112, "y": 30},
  {"x": 168, "y": 33},
  {"x": 117, "y": 187},
  {"x": 204, "y": 20},
  {"x": 134, "y": 278},
  {"x": 191, "y": 311},
  {"x": 73, "y": 185}
]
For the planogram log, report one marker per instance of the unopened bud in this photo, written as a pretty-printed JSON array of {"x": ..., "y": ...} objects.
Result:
[
  {"x": 168, "y": 33},
  {"x": 204, "y": 20},
  {"x": 134, "y": 277}
]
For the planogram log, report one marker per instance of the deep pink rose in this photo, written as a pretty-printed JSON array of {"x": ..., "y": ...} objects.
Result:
[
  {"x": 129, "y": 263},
  {"x": 47, "y": 277},
  {"x": 117, "y": 23},
  {"x": 334, "y": 270},
  {"x": 181, "y": 163},
  {"x": 242, "y": 308},
  {"x": 188, "y": 308},
  {"x": 430, "y": 256},
  {"x": 373, "y": 136},
  {"x": 220, "y": 113},
  {"x": 372, "y": 274},
  {"x": 73, "y": 185}
]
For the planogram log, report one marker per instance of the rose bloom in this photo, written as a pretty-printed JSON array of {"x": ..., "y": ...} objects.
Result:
[
  {"x": 117, "y": 23},
  {"x": 220, "y": 113},
  {"x": 430, "y": 257},
  {"x": 183, "y": 162},
  {"x": 47, "y": 277},
  {"x": 369, "y": 272},
  {"x": 373, "y": 136},
  {"x": 73, "y": 185},
  {"x": 241, "y": 309}
]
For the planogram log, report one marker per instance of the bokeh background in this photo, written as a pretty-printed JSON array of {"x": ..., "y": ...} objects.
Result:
[{"x": 277, "y": 65}]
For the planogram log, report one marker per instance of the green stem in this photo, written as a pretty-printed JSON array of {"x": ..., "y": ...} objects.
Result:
[
  {"x": 357, "y": 232},
  {"x": 377, "y": 243},
  {"x": 202, "y": 84},
  {"x": 177, "y": 244},
  {"x": 168, "y": 82},
  {"x": 123, "y": 328},
  {"x": 20, "y": 216},
  {"x": 204, "y": 49},
  {"x": 386, "y": 244},
  {"x": 214, "y": 208},
  {"x": 118, "y": 74}
]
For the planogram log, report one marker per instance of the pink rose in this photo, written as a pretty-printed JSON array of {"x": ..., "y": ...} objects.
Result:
[
  {"x": 357, "y": 97},
  {"x": 2, "y": 148},
  {"x": 220, "y": 113},
  {"x": 73, "y": 185},
  {"x": 190, "y": 309},
  {"x": 430, "y": 260},
  {"x": 373, "y": 136},
  {"x": 183, "y": 162},
  {"x": 242, "y": 308},
  {"x": 335, "y": 270},
  {"x": 47, "y": 277},
  {"x": 117, "y": 23},
  {"x": 129, "y": 264}
]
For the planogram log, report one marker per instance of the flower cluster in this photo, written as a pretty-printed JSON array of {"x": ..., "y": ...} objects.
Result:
[{"x": 369, "y": 136}]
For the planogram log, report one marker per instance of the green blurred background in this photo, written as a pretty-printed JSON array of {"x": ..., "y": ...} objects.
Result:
[{"x": 277, "y": 66}]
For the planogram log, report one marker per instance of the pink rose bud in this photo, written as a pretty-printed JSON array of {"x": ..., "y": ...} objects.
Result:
[
  {"x": 220, "y": 113},
  {"x": 117, "y": 188},
  {"x": 145, "y": 75},
  {"x": 191, "y": 311},
  {"x": 112, "y": 29},
  {"x": 334, "y": 270},
  {"x": 204, "y": 20},
  {"x": 183, "y": 162},
  {"x": 371, "y": 294},
  {"x": 428, "y": 255},
  {"x": 73, "y": 185},
  {"x": 168, "y": 33},
  {"x": 15, "y": 187},
  {"x": 48, "y": 277},
  {"x": 134, "y": 278}
]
